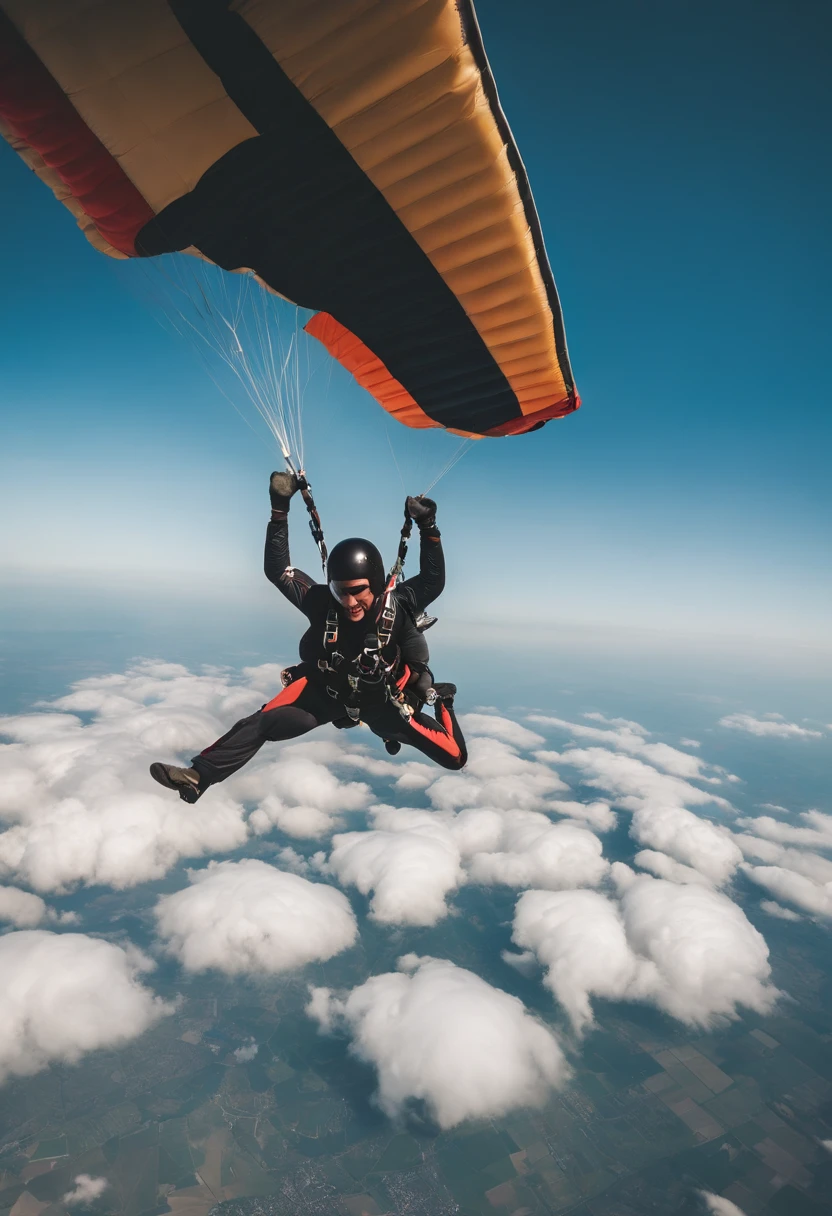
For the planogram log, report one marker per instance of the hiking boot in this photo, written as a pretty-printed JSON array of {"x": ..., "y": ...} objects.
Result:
[
  {"x": 184, "y": 780},
  {"x": 392, "y": 747}
]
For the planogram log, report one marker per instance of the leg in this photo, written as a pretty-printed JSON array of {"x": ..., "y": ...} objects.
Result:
[
  {"x": 439, "y": 738},
  {"x": 294, "y": 711}
]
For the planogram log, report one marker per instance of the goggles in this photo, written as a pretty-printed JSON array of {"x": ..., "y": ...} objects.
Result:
[{"x": 342, "y": 592}]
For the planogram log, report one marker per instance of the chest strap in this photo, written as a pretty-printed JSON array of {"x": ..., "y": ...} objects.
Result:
[{"x": 368, "y": 666}]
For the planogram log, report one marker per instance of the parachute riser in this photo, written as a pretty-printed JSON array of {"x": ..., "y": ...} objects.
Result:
[
  {"x": 314, "y": 518},
  {"x": 404, "y": 537},
  {"x": 397, "y": 567},
  {"x": 315, "y": 526}
]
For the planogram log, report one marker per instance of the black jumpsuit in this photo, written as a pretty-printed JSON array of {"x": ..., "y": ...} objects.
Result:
[{"x": 309, "y": 701}]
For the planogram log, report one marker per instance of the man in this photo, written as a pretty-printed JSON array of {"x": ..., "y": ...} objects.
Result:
[{"x": 363, "y": 657}]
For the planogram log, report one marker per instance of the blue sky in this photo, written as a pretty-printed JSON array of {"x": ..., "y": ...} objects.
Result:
[{"x": 677, "y": 154}]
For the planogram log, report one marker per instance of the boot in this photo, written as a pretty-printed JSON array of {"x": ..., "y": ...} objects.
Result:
[
  {"x": 184, "y": 780},
  {"x": 445, "y": 693}
]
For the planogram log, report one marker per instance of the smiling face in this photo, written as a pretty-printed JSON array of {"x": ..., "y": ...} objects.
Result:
[{"x": 354, "y": 596}]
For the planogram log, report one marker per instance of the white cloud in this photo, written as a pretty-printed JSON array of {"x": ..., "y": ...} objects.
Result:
[
  {"x": 246, "y": 1053},
  {"x": 247, "y": 917},
  {"x": 626, "y": 723},
  {"x": 793, "y": 874},
  {"x": 67, "y": 994},
  {"x": 597, "y": 814},
  {"x": 814, "y": 832},
  {"x": 633, "y": 784},
  {"x": 662, "y": 866},
  {"x": 709, "y": 958},
  {"x": 311, "y": 797},
  {"x": 718, "y": 1205},
  {"x": 82, "y": 808},
  {"x": 690, "y": 743},
  {"x": 813, "y": 897},
  {"x": 525, "y": 962},
  {"x": 800, "y": 860},
  {"x": 579, "y": 937},
  {"x": 497, "y": 777},
  {"x": 119, "y": 840},
  {"x": 475, "y": 829},
  {"x": 629, "y": 737},
  {"x": 533, "y": 851},
  {"x": 79, "y": 798},
  {"x": 87, "y": 1189},
  {"x": 345, "y": 751},
  {"x": 436, "y": 1032},
  {"x": 411, "y": 860},
  {"x": 769, "y": 727},
  {"x": 698, "y": 843},
  {"x": 776, "y": 910},
  {"x": 827, "y": 1144},
  {"x": 687, "y": 949},
  {"x": 310, "y": 800},
  {"x": 410, "y": 866},
  {"x": 21, "y": 908},
  {"x": 505, "y": 729}
]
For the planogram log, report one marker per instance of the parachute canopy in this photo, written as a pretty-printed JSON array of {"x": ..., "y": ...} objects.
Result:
[{"x": 352, "y": 154}]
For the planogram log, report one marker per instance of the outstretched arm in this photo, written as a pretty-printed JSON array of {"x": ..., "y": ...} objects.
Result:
[
  {"x": 277, "y": 565},
  {"x": 429, "y": 583}
]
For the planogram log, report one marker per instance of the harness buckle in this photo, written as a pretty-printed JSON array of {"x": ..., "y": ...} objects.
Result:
[
  {"x": 337, "y": 660},
  {"x": 398, "y": 699},
  {"x": 386, "y": 620}
]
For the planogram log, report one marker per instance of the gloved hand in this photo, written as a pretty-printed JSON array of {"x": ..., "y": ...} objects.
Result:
[
  {"x": 422, "y": 511},
  {"x": 281, "y": 488}
]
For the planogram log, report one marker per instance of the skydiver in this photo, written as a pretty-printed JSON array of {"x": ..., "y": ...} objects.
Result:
[{"x": 363, "y": 657}]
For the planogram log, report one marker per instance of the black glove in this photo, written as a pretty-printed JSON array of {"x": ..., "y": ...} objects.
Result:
[
  {"x": 422, "y": 511},
  {"x": 281, "y": 488}
]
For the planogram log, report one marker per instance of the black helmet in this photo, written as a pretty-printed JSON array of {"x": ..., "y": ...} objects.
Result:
[{"x": 356, "y": 558}]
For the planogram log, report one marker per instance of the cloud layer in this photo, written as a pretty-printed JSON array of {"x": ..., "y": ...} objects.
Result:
[
  {"x": 791, "y": 870},
  {"x": 81, "y": 808},
  {"x": 770, "y": 727},
  {"x": 79, "y": 799}
]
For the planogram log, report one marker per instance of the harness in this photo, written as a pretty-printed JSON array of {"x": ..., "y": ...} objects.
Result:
[{"x": 369, "y": 669}]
